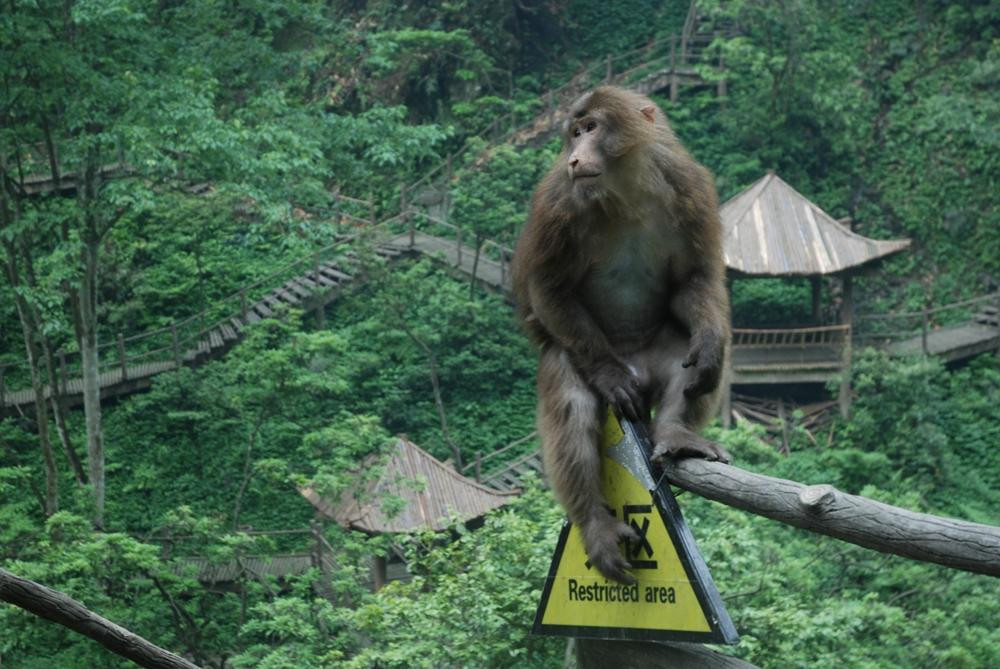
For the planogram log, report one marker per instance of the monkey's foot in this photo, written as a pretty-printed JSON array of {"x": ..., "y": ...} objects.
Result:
[
  {"x": 601, "y": 537},
  {"x": 676, "y": 441}
]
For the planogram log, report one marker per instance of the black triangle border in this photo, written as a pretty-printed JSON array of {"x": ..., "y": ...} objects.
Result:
[{"x": 722, "y": 629}]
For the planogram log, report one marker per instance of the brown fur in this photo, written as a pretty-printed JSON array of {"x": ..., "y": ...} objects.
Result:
[{"x": 619, "y": 277}]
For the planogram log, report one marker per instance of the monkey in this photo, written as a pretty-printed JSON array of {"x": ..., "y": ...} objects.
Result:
[{"x": 618, "y": 276}]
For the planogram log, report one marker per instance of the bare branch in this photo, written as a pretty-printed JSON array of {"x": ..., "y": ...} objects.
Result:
[
  {"x": 57, "y": 607},
  {"x": 858, "y": 520}
]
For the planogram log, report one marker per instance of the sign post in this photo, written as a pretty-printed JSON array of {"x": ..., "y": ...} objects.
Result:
[{"x": 673, "y": 598}]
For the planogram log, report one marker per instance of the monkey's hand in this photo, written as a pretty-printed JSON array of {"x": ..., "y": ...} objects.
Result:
[
  {"x": 612, "y": 380},
  {"x": 705, "y": 355}
]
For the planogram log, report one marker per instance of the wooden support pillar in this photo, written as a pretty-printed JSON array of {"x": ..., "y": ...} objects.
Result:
[
  {"x": 726, "y": 404},
  {"x": 817, "y": 289},
  {"x": 847, "y": 318},
  {"x": 379, "y": 573}
]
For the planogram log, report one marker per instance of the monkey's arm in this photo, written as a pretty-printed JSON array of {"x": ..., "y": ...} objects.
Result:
[
  {"x": 701, "y": 304},
  {"x": 569, "y": 325}
]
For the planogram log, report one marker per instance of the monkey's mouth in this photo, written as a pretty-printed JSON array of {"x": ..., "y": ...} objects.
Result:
[{"x": 586, "y": 175}]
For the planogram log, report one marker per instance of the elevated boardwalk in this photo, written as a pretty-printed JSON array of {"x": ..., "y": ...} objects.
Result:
[{"x": 131, "y": 365}]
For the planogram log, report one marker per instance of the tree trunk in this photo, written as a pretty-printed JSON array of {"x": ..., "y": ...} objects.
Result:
[
  {"x": 87, "y": 339},
  {"x": 41, "y": 411},
  {"x": 475, "y": 265},
  {"x": 85, "y": 321}
]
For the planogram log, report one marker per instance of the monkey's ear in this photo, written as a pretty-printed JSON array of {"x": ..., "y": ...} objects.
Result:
[{"x": 650, "y": 113}]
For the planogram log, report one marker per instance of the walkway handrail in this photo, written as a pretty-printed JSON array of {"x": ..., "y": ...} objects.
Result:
[{"x": 825, "y": 335}]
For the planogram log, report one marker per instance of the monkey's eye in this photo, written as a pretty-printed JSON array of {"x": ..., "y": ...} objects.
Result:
[
  {"x": 591, "y": 125},
  {"x": 576, "y": 131}
]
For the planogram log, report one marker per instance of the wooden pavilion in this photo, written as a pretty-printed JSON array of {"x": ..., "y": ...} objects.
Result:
[
  {"x": 414, "y": 492},
  {"x": 772, "y": 230}
]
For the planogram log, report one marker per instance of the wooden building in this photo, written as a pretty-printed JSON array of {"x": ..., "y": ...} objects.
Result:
[
  {"x": 772, "y": 230},
  {"x": 414, "y": 492}
]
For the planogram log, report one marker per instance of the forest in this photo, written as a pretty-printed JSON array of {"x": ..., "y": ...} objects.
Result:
[{"x": 168, "y": 388}]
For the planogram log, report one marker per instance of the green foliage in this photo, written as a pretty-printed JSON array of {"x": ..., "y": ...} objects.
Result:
[{"x": 472, "y": 600}]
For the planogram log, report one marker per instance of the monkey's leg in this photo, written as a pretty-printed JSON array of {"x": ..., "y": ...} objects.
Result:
[
  {"x": 569, "y": 420},
  {"x": 678, "y": 416}
]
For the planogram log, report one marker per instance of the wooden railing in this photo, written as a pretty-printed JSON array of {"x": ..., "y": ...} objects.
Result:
[
  {"x": 886, "y": 329},
  {"x": 826, "y": 336}
]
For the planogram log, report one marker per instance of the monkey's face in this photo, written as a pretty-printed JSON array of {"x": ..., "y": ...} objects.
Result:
[{"x": 587, "y": 162}]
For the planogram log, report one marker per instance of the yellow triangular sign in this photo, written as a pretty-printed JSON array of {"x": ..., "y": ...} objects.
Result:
[{"x": 673, "y": 598}]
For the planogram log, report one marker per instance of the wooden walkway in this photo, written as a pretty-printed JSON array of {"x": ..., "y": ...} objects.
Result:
[
  {"x": 953, "y": 343},
  {"x": 312, "y": 289},
  {"x": 459, "y": 257}
]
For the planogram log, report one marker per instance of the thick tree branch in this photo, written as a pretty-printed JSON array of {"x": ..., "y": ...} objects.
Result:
[
  {"x": 57, "y": 607},
  {"x": 826, "y": 510}
]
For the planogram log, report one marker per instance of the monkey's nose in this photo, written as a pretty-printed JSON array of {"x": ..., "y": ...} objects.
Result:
[{"x": 573, "y": 162}]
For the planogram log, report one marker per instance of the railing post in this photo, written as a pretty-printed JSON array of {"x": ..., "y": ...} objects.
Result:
[
  {"x": 607, "y": 69},
  {"x": 552, "y": 109},
  {"x": 371, "y": 212},
  {"x": 320, "y": 311},
  {"x": 997, "y": 315},
  {"x": 673, "y": 68},
  {"x": 503, "y": 268},
  {"x": 720, "y": 88},
  {"x": 63, "y": 374},
  {"x": 479, "y": 465},
  {"x": 121, "y": 355},
  {"x": 176, "y": 344},
  {"x": 406, "y": 217},
  {"x": 925, "y": 322}
]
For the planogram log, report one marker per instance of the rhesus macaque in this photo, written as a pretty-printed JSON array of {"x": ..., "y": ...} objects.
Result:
[{"x": 619, "y": 277}]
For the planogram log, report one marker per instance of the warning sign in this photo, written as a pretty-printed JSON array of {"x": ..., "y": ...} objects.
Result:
[{"x": 673, "y": 597}]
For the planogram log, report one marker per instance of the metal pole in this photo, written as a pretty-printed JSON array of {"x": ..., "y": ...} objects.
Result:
[{"x": 121, "y": 355}]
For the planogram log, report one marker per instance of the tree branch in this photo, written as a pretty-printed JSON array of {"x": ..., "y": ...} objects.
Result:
[
  {"x": 858, "y": 520},
  {"x": 57, "y": 607}
]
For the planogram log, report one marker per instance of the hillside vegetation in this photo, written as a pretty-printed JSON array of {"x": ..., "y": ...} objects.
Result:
[{"x": 231, "y": 127}]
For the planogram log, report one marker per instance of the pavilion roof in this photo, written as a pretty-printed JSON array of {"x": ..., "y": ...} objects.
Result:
[
  {"x": 770, "y": 229},
  {"x": 427, "y": 493}
]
